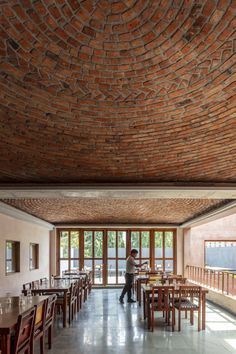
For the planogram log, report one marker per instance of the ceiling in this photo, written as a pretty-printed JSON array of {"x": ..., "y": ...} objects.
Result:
[
  {"x": 118, "y": 91},
  {"x": 115, "y": 211}
]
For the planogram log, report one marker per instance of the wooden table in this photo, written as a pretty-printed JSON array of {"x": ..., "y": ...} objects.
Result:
[
  {"x": 147, "y": 292},
  {"x": 9, "y": 316},
  {"x": 60, "y": 286}
]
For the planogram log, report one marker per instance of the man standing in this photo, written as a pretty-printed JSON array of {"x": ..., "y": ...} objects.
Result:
[{"x": 131, "y": 265}]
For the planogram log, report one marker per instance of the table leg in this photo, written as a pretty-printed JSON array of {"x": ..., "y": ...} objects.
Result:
[
  {"x": 148, "y": 310},
  {"x": 6, "y": 344},
  {"x": 139, "y": 292},
  {"x": 144, "y": 305},
  {"x": 203, "y": 311},
  {"x": 65, "y": 309}
]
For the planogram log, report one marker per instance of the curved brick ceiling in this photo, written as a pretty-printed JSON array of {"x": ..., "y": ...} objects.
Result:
[
  {"x": 115, "y": 211},
  {"x": 118, "y": 91}
]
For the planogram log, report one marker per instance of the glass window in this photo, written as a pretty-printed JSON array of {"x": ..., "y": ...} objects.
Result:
[
  {"x": 34, "y": 256},
  {"x": 88, "y": 244},
  {"x": 145, "y": 241},
  {"x": 135, "y": 240},
  {"x": 74, "y": 244},
  {"x": 121, "y": 244},
  {"x": 12, "y": 256},
  {"x": 158, "y": 244},
  {"x": 111, "y": 244},
  {"x": 98, "y": 244},
  {"x": 98, "y": 271},
  {"x": 169, "y": 244},
  {"x": 64, "y": 244},
  {"x": 111, "y": 271}
]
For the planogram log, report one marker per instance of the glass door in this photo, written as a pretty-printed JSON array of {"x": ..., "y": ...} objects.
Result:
[
  {"x": 140, "y": 240},
  {"x": 69, "y": 250},
  {"x": 93, "y": 254},
  {"x": 164, "y": 251},
  {"x": 116, "y": 256}
]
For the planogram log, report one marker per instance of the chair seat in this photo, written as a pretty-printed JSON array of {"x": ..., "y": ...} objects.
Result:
[{"x": 185, "y": 305}]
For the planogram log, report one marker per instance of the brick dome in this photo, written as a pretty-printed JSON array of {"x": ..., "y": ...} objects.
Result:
[{"x": 118, "y": 91}]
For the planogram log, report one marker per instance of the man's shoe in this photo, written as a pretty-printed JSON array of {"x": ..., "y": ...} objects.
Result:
[
  {"x": 131, "y": 301},
  {"x": 121, "y": 301}
]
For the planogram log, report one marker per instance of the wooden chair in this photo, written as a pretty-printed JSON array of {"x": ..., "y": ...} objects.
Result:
[
  {"x": 50, "y": 314},
  {"x": 189, "y": 299},
  {"x": 39, "y": 327},
  {"x": 27, "y": 286},
  {"x": 163, "y": 300},
  {"x": 43, "y": 280},
  {"x": 177, "y": 280},
  {"x": 35, "y": 284},
  {"x": 71, "y": 301},
  {"x": 24, "y": 332},
  {"x": 80, "y": 295}
]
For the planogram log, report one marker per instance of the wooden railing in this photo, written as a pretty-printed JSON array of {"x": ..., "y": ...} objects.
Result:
[{"x": 223, "y": 281}]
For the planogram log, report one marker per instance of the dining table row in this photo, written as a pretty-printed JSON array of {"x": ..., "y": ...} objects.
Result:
[
  {"x": 169, "y": 294},
  {"x": 29, "y": 317}
]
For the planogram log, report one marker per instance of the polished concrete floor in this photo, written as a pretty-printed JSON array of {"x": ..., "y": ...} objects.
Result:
[{"x": 105, "y": 326}]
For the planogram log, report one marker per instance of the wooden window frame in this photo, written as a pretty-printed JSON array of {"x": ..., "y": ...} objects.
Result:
[
  {"x": 105, "y": 257},
  {"x": 35, "y": 256},
  {"x": 15, "y": 257}
]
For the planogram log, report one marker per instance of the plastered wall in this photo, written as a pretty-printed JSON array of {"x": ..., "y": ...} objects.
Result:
[{"x": 25, "y": 232}]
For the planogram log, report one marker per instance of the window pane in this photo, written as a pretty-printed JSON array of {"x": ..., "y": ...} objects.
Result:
[
  {"x": 111, "y": 244},
  {"x": 121, "y": 271},
  {"x": 169, "y": 265},
  {"x": 88, "y": 244},
  {"x": 74, "y": 264},
  {"x": 9, "y": 267},
  {"x": 169, "y": 244},
  {"x": 64, "y": 265},
  {"x": 64, "y": 242},
  {"x": 88, "y": 264},
  {"x": 145, "y": 244},
  {"x": 98, "y": 244},
  {"x": 98, "y": 274},
  {"x": 9, "y": 250},
  {"x": 135, "y": 240},
  {"x": 111, "y": 271},
  {"x": 74, "y": 244},
  {"x": 158, "y": 244},
  {"x": 121, "y": 244},
  {"x": 158, "y": 264}
]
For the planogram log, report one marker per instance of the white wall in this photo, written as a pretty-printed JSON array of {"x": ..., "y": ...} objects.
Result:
[{"x": 25, "y": 232}]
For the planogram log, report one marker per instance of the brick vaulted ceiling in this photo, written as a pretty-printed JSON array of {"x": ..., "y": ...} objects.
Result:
[
  {"x": 118, "y": 91},
  {"x": 115, "y": 211}
]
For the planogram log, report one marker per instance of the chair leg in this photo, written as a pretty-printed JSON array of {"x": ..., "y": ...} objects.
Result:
[
  {"x": 199, "y": 320},
  {"x": 186, "y": 314},
  {"x": 50, "y": 337},
  {"x": 42, "y": 345},
  {"x": 173, "y": 319},
  {"x": 191, "y": 317},
  {"x": 179, "y": 321}
]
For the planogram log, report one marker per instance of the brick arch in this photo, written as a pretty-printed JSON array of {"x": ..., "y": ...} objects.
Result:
[{"x": 118, "y": 91}]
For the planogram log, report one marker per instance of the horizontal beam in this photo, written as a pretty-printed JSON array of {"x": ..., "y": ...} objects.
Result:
[{"x": 119, "y": 191}]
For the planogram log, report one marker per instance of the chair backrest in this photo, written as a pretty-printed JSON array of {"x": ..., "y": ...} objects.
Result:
[
  {"x": 40, "y": 316},
  {"x": 27, "y": 286},
  {"x": 141, "y": 272},
  {"x": 164, "y": 299},
  {"x": 51, "y": 308},
  {"x": 42, "y": 280},
  {"x": 35, "y": 284},
  {"x": 24, "y": 331},
  {"x": 190, "y": 292},
  {"x": 177, "y": 280}
]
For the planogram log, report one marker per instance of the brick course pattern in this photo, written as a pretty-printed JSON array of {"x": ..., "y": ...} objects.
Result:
[
  {"x": 115, "y": 211},
  {"x": 118, "y": 91}
]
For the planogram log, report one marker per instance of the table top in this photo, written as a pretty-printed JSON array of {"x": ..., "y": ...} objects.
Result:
[
  {"x": 9, "y": 312},
  {"x": 148, "y": 287},
  {"x": 59, "y": 285}
]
